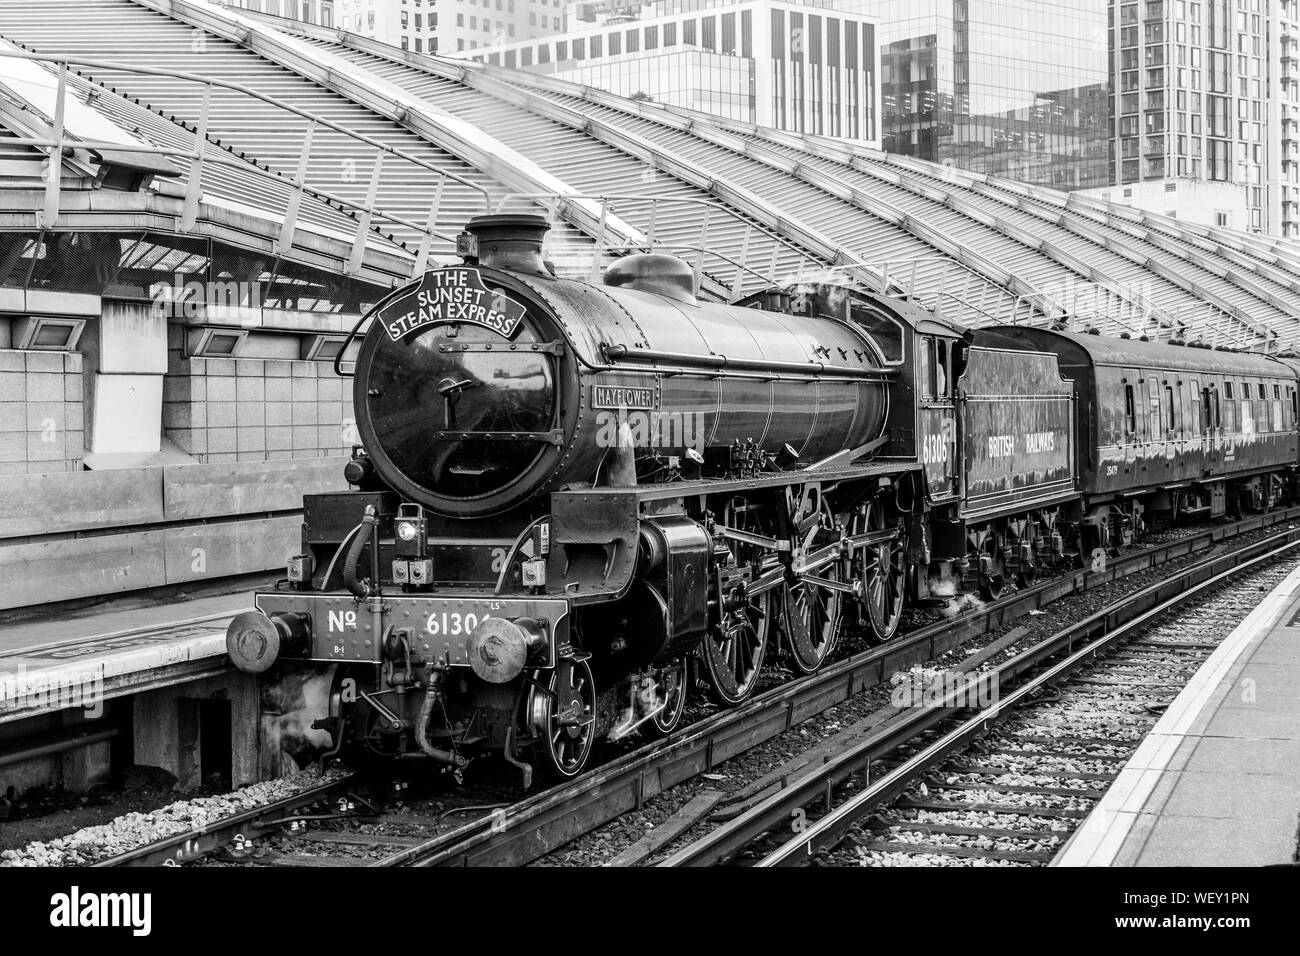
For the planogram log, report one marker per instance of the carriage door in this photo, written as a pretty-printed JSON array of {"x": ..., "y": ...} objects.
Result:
[
  {"x": 1134, "y": 421},
  {"x": 1153, "y": 448},
  {"x": 938, "y": 416},
  {"x": 1210, "y": 430}
]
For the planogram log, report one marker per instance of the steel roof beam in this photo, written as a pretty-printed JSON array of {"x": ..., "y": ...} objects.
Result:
[
  {"x": 1152, "y": 265},
  {"x": 847, "y": 153},
  {"x": 878, "y": 207},
  {"x": 98, "y": 210},
  {"x": 374, "y": 94},
  {"x": 755, "y": 208}
]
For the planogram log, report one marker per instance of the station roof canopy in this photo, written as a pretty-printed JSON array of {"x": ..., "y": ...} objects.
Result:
[{"x": 278, "y": 140}]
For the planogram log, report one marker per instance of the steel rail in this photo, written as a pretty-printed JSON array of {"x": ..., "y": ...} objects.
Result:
[
  {"x": 192, "y": 844},
  {"x": 1098, "y": 631},
  {"x": 541, "y": 823}
]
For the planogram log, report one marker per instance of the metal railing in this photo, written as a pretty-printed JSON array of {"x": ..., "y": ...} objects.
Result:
[
  {"x": 957, "y": 293},
  {"x": 367, "y": 210},
  {"x": 650, "y": 235}
]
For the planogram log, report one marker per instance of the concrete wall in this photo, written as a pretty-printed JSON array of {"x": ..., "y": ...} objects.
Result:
[
  {"x": 41, "y": 412},
  {"x": 75, "y": 770},
  {"x": 150, "y": 527},
  {"x": 160, "y": 728},
  {"x": 260, "y": 433},
  {"x": 1191, "y": 200},
  {"x": 224, "y": 410}
]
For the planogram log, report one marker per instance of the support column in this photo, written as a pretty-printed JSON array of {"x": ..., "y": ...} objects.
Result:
[
  {"x": 86, "y": 767},
  {"x": 126, "y": 391},
  {"x": 168, "y": 730}
]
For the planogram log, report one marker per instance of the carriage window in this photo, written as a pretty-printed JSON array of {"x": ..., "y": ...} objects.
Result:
[
  {"x": 1172, "y": 406},
  {"x": 1153, "y": 392},
  {"x": 1218, "y": 409},
  {"x": 1277, "y": 391},
  {"x": 1227, "y": 390},
  {"x": 1130, "y": 412},
  {"x": 1262, "y": 393},
  {"x": 1295, "y": 411},
  {"x": 1200, "y": 404}
]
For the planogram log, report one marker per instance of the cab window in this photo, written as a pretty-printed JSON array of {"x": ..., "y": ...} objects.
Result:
[
  {"x": 940, "y": 369},
  {"x": 927, "y": 368},
  {"x": 934, "y": 369},
  {"x": 884, "y": 330}
]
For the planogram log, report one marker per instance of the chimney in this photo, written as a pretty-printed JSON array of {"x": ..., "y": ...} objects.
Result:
[{"x": 509, "y": 241}]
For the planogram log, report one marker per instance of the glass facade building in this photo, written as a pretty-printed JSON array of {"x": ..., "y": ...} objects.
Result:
[
  {"x": 1208, "y": 91},
  {"x": 790, "y": 66},
  {"x": 1005, "y": 87}
]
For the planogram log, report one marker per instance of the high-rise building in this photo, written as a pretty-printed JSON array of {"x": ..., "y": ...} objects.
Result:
[
  {"x": 1284, "y": 121},
  {"x": 321, "y": 12},
  {"x": 308, "y": 11},
  {"x": 785, "y": 65},
  {"x": 1014, "y": 88},
  {"x": 424, "y": 26},
  {"x": 1201, "y": 94}
]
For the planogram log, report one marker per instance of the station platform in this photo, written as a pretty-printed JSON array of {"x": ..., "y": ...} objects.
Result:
[
  {"x": 51, "y": 665},
  {"x": 1217, "y": 781}
]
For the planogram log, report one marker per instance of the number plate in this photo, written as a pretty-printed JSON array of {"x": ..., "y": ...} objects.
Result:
[
  {"x": 458, "y": 618},
  {"x": 342, "y": 630}
]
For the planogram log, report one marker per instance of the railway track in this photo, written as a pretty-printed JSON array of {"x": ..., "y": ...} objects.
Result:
[
  {"x": 339, "y": 822},
  {"x": 1046, "y": 753},
  {"x": 241, "y": 828},
  {"x": 1016, "y": 796},
  {"x": 530, "y": 829},
  {"x": 527, "y": 830}
]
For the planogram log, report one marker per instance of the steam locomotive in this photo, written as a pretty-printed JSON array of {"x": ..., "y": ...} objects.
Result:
[{"x": 574, "y": 504}]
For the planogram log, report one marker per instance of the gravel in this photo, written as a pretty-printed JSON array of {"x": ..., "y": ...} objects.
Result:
[{"x": 133, "y": 830}]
